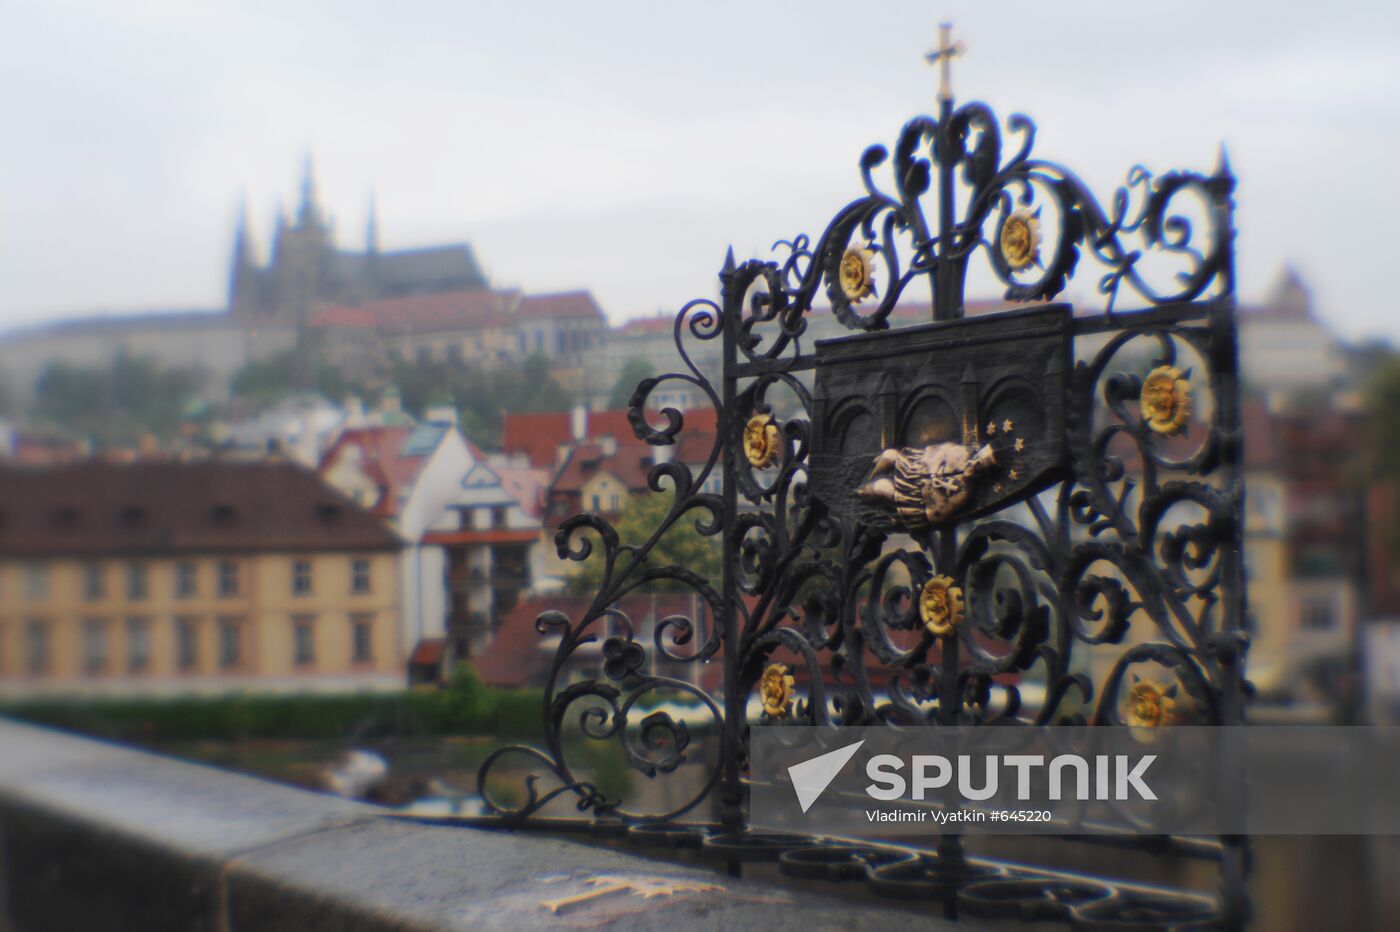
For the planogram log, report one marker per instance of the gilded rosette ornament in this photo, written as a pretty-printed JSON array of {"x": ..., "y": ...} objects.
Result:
[
  {"x": 761, "y": 441},
  {"x": 1166, "y": 400},
  {"x": 941, "y": 606},
  {"x": 1020, "y": 239},
  {"x": 857, "y": 274},
  {"x": 775, "y": 689},
  {"x": 1149, "y": 705}
]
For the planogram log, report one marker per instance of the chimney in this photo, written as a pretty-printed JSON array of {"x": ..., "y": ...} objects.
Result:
[
  {"x": 445, "y": 414},
  {"x": 578, "y": 421}
]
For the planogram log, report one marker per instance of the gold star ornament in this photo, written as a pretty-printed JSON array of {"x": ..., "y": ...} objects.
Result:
[
  {"x": 941, "y": 606},
  {"x": 1166, "y": 400},
  {"x": 1020, "y": 239},
  {"x": 857, "y": 274},
  {"x": 1150, "y": 704},
  {"x": 775, "y": 689},
  {"x": 761, "y": 441}
]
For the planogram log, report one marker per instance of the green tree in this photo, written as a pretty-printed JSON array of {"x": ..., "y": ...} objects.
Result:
[
  {"x": 633, "y": 371},
  {"x": 681, "y": 545},
  {"x": 481, "y": 397},
  {"x": 278, "y": 377},
  {"x": 267, "y": 381},
  {"x": 116, "y": 404},
  {"x": 1383, "y": 427}
]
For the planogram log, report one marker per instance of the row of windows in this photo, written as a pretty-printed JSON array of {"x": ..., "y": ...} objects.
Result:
[
  {"x": 227, "y": 583},
  {"x": 96, "y": 654},
  {"x": 565, "y": 341},
  {"x": 614, "y": 503},
  {"x": 302, "y": 579}
]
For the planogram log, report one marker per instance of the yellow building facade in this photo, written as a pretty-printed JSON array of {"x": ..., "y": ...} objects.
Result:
[
  {"x": 308, "y": 616},
  {"x": 224, "y": 621}
]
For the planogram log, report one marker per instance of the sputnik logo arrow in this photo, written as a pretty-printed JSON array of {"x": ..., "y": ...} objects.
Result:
[{"x": 811, "y": 777}]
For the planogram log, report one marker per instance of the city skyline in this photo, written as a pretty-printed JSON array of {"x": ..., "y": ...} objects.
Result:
[{"x": 623, "y": 149}]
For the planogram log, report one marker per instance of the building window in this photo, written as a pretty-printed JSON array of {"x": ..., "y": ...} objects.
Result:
[
  {"x": 454, "y": 353},
  {"x": 93, "y": 582},
  {"x": 362, "y": 643},
  {"x": 303, "y": 639},
  {"x": 136, "y": 581},
  {"x": 36, "y": 582},
  {"x": 597, "y": 503},
  {"x": 186, "y": 580},
  {"x": 499, "y": 517},
  {"x": 228, "y": 578},
  {"x": 230, "y": 642},
  {"x": 36, "y": 646},
  {"x": 1318, "y": 614},
  {"x": 94, "y": 645},
  {"x": 138, "y": 644},
  {"x": 616, "y": 503},
  {"x": 186, "y": 643},
  {"x": 301, "y": 577},
  {"x": 359, "y": 576},
  {"x": 425, "y": 355},
  {"x": 539, "y": 341}
]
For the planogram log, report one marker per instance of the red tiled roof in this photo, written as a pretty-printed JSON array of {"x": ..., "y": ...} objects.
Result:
[
  {"x": 629, "y": 463},
  {"x": 344, "y": 317},
  {"x": 428, "y": 652},
  {"x": 538, "y": 436},
  {"x": 694, "y": 447},
  {"x": 526, "y": 486},
  {"x": 1272, "y": 314},
  {"x": 1260, "y": 445},
  {"x": 562, "y": 304},
  {"x": 490, "y": 536},
  {"x": 520, "y": 654},
  {"x": 661, "y": 323},
  {"x": 1257, "y": 423},
  {"x": 455, "y": 310},
  {"x": 165, "y": 507},
  {"x": 380, "y": 459}
]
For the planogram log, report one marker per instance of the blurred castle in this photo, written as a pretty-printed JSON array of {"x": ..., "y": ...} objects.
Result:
[
  {"x": 358, "y": 311},
  {"x": 306, "y": 268}
]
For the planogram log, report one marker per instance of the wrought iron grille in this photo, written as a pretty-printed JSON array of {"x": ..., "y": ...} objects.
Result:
[{"x": 1029, "y": 516}]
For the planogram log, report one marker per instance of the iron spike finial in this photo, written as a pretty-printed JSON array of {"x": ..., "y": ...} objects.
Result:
[
  {"x": 943, "y": 56},
  {"x": 1222, "y": 162}
]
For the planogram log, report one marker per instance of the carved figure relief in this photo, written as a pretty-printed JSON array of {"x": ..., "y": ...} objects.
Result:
[{"x": 926, "y": 486}]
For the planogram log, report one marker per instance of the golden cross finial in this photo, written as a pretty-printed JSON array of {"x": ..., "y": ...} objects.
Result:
[{"x": 943, "y": 56}]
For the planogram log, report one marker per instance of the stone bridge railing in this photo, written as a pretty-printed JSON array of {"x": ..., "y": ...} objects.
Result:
[{"x": 94, "y": 836}]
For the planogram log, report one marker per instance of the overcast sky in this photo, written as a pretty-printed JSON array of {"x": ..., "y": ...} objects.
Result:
[{"x": 622, "y": 146}]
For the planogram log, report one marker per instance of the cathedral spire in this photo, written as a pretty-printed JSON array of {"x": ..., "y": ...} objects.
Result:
[
  {"x": 242, "y": 244},
  {"x": 241, "y": 265},
  {"x": 372, "y": 227},
  {"x": 279, "y": 231},
  {"x": 309, "y": 212}
]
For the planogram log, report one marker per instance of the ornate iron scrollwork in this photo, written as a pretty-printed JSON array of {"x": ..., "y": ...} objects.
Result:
[{"x": 948, "y": 519}]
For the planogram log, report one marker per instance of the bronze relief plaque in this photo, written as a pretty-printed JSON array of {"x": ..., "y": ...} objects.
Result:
[{"x": 930, "y": 425}]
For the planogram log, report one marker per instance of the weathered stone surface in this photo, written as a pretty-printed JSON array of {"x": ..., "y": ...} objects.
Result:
[{"x": 96, "y": 836}]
